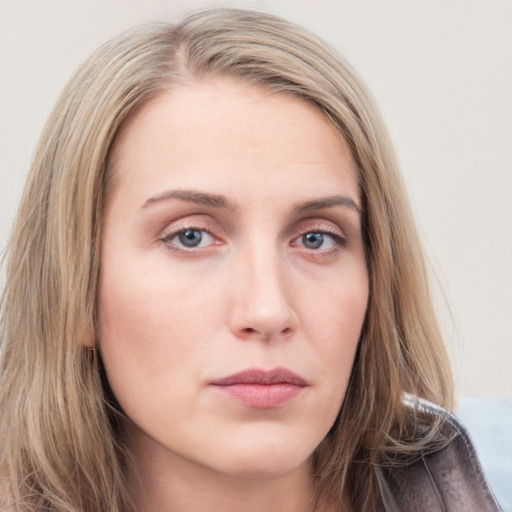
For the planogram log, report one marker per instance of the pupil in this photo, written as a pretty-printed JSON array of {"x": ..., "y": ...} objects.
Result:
[
  {"x": 313, "y": 240},
  {"x": 190, "y": 237}
]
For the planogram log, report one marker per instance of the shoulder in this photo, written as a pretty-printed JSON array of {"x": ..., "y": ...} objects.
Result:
[{"x": 446, "y": 479}]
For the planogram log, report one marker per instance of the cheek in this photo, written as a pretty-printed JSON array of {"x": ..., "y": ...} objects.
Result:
[
  {"x": 335, "y": 320},
  {"x": 150, "y": 330}
]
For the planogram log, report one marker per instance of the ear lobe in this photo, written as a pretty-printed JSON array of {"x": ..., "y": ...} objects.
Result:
[{"x": 88, "y": 339}]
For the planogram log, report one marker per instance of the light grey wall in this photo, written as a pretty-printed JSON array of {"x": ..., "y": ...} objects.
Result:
[{"x": 441, "y": 71}]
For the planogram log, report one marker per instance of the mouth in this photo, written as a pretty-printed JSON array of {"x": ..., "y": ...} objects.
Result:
[{"x": 261, "y": 389}]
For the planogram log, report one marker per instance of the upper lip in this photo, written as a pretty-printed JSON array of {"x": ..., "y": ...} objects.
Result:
[{"x": 262, "y": 377}]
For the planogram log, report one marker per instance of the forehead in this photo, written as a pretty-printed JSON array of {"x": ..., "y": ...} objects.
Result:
[{"x": 219, "y": 131}]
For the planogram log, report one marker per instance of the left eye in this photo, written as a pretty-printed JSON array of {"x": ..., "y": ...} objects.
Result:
[
  {"x": 318, "y": 240},
  {"x": 190, "y": 238}
]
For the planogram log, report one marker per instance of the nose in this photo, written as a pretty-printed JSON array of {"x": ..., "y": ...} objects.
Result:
[{"x": 263, "y": 306}]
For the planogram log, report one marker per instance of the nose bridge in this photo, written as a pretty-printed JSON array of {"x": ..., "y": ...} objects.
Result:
[{"x": 263, "y": 303}]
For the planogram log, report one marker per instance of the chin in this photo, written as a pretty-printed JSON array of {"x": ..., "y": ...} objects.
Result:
[{"x": 265, "y": 461}]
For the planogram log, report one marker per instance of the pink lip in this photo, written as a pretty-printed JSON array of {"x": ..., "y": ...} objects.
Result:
[{"x": 262, "y": 389}]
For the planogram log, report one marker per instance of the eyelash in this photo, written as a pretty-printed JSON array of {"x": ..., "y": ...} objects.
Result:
[
  {"x": 339, "y": 242},
  {"x": 169, "y": 237}
]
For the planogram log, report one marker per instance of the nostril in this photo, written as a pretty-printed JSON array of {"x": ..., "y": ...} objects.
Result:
[{"x": 252, "y": 332}]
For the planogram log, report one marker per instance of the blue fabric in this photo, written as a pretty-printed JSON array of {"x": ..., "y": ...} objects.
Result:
[{"x": 489, "y": 422}]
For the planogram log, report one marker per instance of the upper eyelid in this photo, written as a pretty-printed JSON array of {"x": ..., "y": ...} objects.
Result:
[
  {"x": 177, "y": 230},
  {"x": 204, "y": 224},
  {"x": 212, "y": 226},
  {"x": 321, "y": 225},
  {"x": 322, "y": 229}
]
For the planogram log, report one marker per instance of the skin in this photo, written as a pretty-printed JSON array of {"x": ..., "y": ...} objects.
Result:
[{"x": 256, "y": 292}]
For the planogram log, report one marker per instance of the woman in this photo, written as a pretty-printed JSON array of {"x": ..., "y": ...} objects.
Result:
[{"x": 215, "y": 293}]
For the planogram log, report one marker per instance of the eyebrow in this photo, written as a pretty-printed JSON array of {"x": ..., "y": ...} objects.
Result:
[
  {"x": 192, "y": 196},
  {"x": 219, "y": 201},
  {"x": 327, "y": 202}
]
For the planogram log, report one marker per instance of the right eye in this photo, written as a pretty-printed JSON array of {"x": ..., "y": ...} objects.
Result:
[{"x": 189, "y": 238}]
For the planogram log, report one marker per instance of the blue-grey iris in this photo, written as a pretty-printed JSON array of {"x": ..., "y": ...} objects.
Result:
[
  {"x": 313, "y": 240},
  {"x": 190, "y": 237}
]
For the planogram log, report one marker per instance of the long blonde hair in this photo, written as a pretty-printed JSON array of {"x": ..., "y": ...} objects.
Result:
[{"x": 60, "y": 436}]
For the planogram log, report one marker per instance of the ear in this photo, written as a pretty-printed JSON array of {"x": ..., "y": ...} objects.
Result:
[{"x": 88, "y": 338}]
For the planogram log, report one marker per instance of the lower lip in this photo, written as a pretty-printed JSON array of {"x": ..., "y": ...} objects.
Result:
[{"x": 261, "y": 396}]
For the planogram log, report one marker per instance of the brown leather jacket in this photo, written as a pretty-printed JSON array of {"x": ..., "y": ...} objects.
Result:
[{"x": 448, "y": 480}]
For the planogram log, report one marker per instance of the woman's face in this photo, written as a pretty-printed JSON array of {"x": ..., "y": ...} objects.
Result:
[{"x": 233, "y": 282}]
